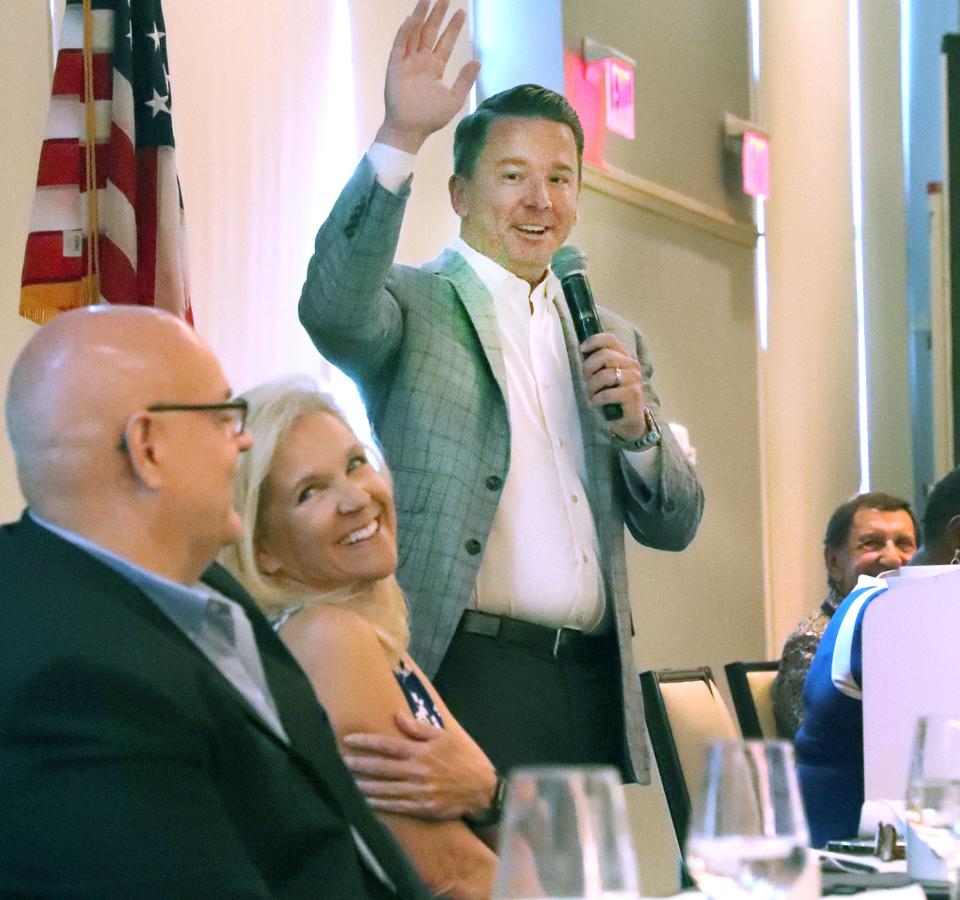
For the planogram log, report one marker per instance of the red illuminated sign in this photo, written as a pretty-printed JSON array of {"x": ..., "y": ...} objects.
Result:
[
  {"x": 584, "y": 89},
  {"x": 756, "y": 164},
  {"x": 602, "y": 92},
  {"x": 619, "y": 98}
]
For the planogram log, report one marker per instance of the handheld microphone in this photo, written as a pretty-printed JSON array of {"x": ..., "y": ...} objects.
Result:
[{"x": 569, "y": 264}]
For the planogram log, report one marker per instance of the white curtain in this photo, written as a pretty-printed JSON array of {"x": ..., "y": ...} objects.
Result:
[{"x": 264, "y": 117}]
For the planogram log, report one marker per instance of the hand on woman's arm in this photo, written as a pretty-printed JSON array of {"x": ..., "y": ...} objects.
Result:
[
  {"x": 352, "y": 678},
  {"x": 428, "y": 772}
]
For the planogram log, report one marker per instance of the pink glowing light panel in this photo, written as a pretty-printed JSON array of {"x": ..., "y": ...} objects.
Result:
[
  {"x": 756, "y": 164},
  {"x": 621, "y": 114}
]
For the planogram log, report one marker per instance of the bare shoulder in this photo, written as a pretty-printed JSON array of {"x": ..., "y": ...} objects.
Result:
[
  {"x": 347, "y": 666},
  {"x": 336, "y": 633}
]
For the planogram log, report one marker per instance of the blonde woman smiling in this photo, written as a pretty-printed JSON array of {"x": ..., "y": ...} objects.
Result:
[{"x": 319, "y": 554}]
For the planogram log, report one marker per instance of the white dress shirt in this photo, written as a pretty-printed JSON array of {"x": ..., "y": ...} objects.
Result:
[{"x": 541, "y": 561}]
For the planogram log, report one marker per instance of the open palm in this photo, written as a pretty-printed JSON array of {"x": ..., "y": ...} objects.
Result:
[{"x": 418, "y": 103}]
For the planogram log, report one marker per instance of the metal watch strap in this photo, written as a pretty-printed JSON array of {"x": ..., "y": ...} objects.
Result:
[{"x": 650, "y": 439}]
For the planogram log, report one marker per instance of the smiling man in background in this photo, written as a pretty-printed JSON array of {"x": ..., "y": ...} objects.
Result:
[{"x": 869, "y": 534}]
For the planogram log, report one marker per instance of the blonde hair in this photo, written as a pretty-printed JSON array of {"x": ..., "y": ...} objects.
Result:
[{"x": 274, "y": 408}]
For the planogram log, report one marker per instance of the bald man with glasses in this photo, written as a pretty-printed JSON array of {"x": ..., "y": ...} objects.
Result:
[{"x": 156, "y": 738}]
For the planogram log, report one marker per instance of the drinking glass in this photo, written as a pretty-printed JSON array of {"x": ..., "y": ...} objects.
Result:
[
  {"x": 565, "y": 834},
  {"x": 748, "y": 835},
  {"x": 933, "y": 791}
]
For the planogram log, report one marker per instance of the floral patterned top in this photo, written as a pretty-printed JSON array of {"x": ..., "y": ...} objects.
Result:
[
  {"x": 798, "y": 653},
  {"x": 421, "y": 703}
]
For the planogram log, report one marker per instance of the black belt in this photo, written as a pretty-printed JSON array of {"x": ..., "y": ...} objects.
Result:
[{"x": 566, "y": 643}]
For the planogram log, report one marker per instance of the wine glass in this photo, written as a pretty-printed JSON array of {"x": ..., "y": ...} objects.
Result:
[
  {"x": 933, "y": 791},
  {"x": 565, "y": 834},
  {"x": 748, "y": 835}
]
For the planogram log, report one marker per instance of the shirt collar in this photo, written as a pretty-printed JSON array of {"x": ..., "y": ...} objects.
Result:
[
  {"x": 495, "y": 277},
  {"x": 190, "y": 601}
]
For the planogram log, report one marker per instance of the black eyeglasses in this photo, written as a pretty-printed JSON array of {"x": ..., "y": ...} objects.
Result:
[{"x": 234, "y": 412}]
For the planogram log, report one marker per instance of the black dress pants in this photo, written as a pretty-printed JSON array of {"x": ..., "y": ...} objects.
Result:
[{"x": 526, "y": 706}]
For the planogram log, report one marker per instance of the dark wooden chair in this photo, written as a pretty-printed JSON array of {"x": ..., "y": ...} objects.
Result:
[{"x": 751, "y": 685}]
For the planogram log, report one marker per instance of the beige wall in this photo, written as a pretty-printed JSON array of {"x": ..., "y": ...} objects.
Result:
[
  {"x": 691, "y": 293},
  {"x": 809, "y": 372},
  {"x": 885, "y": 250},
  {"x": 691, "y": 60},
  {"x": 24, "y": 92}
]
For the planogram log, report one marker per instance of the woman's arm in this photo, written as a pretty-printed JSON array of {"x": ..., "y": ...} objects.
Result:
[
  {"x": 432, "y": 773},
  {"x": 350, "y": 674}
]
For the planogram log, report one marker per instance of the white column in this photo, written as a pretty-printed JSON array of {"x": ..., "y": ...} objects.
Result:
[
  {"x": 809, "y": 370},
  {"x": 809, "y": 374}
]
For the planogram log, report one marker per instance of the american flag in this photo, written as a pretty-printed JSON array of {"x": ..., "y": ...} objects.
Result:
[{"x": 111, "y": 90}]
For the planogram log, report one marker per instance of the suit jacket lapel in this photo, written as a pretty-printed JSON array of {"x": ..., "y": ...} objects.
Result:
[
  {"x": 56, "y": 551},
  {"x": 50, "y": 546},
  {"x": 304, "y": 720},
  {"x": 312, "y": 739},
  {"x": 592, "y": 425},
  {"x": 478, "y": 303}
]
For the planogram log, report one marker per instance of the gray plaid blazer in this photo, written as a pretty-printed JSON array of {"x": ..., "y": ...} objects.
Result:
[{"x": 423, "y": 348}]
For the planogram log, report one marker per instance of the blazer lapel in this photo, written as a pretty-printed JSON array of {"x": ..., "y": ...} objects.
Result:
[
  {"x": 303, "y": 718},
  {"x": 478, "y": 303},
  {"x": 312, "y": 739},
  {"x": 592, "y": 425},
  {"x": 57, "y": 551}
]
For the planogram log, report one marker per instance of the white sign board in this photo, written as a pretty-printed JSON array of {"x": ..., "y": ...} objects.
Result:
[{"x": 911, "y": 667}]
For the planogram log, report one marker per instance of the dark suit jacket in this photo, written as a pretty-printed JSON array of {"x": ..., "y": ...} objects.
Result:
[{"x": 129, "y": 767}]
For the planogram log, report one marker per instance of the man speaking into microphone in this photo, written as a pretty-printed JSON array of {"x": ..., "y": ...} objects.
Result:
[{"x": 512, "y": 488}]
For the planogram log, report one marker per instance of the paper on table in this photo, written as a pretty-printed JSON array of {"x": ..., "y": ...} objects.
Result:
[
  {"x": 858, "y": 862},
  {"x": 911, "y": 892}
]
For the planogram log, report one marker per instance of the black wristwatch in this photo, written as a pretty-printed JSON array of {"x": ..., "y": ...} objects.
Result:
[{"x": 491, "y": 815}]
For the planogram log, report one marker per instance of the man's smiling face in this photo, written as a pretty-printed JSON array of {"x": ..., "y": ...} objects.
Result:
[{"x": 520, "y": 203}]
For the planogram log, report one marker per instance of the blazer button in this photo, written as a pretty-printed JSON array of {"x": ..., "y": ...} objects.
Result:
[
  {"x": 473, "y": 546},
  {"x": 669, "y": 505},
  {"x": 494, "y": 482}
]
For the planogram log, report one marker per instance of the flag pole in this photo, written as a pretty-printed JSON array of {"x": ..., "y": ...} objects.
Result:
[{"x": 93, "y": 198}]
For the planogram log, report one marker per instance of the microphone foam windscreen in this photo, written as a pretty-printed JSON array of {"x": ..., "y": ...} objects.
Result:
[{"x": 568, "y": 260}]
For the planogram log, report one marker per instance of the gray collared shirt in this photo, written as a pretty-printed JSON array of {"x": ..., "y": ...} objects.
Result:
[{"x": 217, "y": 625}]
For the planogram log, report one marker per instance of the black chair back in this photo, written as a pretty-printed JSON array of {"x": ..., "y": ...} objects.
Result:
[
  {"x": 750, "y": 687},
  {"x": 700, "y": 715}
]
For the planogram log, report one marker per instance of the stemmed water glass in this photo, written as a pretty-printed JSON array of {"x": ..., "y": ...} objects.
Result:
[
  {"x": 565, "y": 834},
  {"x": 748, "y": 835},
  {"x": 933, "y": 791}
]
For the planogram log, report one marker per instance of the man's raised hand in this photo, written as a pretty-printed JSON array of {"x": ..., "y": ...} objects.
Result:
[{"x": 417, "y": 101}]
